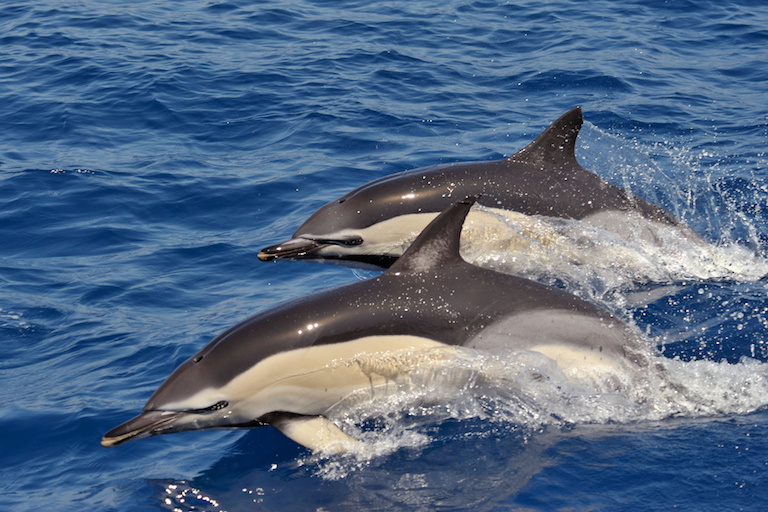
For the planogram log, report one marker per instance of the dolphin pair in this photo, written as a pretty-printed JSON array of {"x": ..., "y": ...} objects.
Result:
[
  {"x": 372, "y": 225},
  {"x": 290, "y": 365}
]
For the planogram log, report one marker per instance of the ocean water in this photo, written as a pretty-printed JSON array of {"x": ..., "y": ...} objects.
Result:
[{"x": 150, "y": 149}]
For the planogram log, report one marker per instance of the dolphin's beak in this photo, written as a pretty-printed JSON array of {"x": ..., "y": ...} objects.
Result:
[
  {"x": 152, "y": 423},
  {"x": 295, "y": 248},
  {"x": 148, "y": 423}
]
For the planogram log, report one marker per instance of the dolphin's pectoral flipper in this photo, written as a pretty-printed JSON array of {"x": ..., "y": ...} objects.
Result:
[{"x": 314, "y": 432}]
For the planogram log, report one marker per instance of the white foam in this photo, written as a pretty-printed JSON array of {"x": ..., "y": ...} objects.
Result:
[
  {"x": 525, "y": 390},
  {"x": 585, "y": 255}
]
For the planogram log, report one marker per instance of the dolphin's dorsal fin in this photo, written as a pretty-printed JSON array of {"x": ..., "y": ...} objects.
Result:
[
  {"x": 438, "y": 243},
  {"x": 556, "y": 145}
]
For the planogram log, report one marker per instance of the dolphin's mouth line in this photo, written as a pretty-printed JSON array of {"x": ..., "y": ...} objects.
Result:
[
  {"x": 294, "y": 248},
  {"x": 300, "y": 247}
]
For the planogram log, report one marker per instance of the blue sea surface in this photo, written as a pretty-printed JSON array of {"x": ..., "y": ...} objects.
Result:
[{"x": 150, "y": 149}]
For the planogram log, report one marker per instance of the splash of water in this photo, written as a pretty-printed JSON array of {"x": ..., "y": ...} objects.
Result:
[
  {"x": 526, "y": 391},
  {"x": 584, "y": 255}
]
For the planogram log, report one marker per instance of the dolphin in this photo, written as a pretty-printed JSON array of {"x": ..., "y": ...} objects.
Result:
[
  {"x": 371, "y": 226},
  {"x": 290, "y": 365}
]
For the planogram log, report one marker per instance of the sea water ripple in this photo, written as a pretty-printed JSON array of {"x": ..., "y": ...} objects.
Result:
[{"x": 150, "y": 149}]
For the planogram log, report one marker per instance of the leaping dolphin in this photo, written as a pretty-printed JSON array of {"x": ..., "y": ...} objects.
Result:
[
  {"x": 372, "y": 225},
  {"x": 288, "y": 366}
]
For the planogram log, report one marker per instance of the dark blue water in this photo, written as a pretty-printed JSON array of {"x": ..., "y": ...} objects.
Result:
[{"x": 150, "y": 149}]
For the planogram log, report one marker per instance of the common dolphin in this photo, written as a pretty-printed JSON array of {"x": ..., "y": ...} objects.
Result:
[
  {"x": 288, "y": 366},
  {"x": 372, "y": 225}
]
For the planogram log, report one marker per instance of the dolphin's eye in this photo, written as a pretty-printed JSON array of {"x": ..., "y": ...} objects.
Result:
[
  {"x": 197, "y": 359},
  {"x": 355, "y": 240},
  {"x": 215, "y": 407},
  {"x": 218, "y": 405},
  {"x": 346, "y": 241}
]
